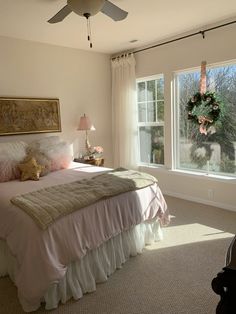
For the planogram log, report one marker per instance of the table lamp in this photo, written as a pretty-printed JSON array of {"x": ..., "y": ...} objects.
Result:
[{"x": 86, "y": 125}]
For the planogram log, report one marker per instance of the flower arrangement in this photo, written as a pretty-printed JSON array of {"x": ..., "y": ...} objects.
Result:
[{"x": 96, "y": 151}]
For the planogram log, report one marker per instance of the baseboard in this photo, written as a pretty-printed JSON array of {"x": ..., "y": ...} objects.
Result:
[{"x": 199, "y": 200}]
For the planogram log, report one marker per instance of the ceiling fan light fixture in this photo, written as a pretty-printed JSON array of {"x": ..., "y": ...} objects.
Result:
[
  {"x": 87, "y": 8},
  {"x": 82, "y": 7}
]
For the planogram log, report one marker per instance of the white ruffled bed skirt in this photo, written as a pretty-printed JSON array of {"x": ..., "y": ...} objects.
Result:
[{"x": 95, "y": 267}]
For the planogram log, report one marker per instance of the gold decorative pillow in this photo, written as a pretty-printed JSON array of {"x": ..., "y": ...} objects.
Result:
[
  {"x": 40, "y": 158},
  {"x": 30, "y": 170}
]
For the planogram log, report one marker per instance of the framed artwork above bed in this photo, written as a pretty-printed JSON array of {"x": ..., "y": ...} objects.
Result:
[{"x": 29, "y": 115}]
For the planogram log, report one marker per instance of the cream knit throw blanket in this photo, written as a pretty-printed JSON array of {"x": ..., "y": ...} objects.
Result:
[{"x": 47, "y": 205}]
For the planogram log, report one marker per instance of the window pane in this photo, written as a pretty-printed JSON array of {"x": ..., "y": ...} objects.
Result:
[
  {"x": 151, "y": 90},
  {"x": 160, "y": 89},
  {"x": 151, "y": 119},
  {"x": 142, "y": 112},
  {"x": 141, "y": 91},
  {"x": 151, "y": 112},
  {"x": 160, "y": 111},
  {"x": 215, "y": 151},
  {"x": 152, "y": 144}
]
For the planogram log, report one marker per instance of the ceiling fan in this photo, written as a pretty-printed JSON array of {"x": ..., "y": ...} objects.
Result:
[{"x": 88, "y": 8}]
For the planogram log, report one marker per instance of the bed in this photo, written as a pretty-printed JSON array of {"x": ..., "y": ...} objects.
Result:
[{"x": 80, "y": 249}]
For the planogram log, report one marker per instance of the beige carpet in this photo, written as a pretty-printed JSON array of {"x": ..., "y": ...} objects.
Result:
[{"x": 170, "y": 277}]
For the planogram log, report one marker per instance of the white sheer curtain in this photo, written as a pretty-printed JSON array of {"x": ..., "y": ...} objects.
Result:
[{"x": 124, "y": 112}]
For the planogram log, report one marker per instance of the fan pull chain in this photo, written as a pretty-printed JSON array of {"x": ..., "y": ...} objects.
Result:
[
  {"x": 90, "y": 34},
  {"x": 87, "y": 15}
]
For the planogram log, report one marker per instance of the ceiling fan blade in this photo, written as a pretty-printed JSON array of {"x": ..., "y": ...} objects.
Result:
[
  {"x": 60, "y": 15},
  {"x": 113, "y": 11}
]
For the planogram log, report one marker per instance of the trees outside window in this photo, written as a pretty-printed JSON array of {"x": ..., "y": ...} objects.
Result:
[
  {"x": 214, "y": 152},
  {"x": 150, "y": 102}
]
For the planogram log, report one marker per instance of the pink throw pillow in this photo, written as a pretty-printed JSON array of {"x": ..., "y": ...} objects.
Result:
[
  {"x": 60, "y": 156},
  {"x": 61, "y": 162}
]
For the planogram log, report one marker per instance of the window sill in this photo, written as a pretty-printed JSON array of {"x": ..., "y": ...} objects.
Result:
[
  {"x": 205, "y": 175},
  {"x": 200, "y": 175},
  {"x": 155, "y": 166}
]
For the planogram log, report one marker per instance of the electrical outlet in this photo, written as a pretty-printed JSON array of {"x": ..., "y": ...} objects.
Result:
[{"x": 210, "y": 194}]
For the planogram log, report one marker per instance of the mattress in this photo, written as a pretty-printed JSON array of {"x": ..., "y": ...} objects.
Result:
[{"x": 42, "y": 258}]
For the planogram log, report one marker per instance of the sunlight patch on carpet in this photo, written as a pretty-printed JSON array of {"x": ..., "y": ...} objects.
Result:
[{"x": 189, "y": 233}]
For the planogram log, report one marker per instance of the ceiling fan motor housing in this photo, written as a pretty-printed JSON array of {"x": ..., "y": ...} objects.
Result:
[{"x": 83, "y": 7}]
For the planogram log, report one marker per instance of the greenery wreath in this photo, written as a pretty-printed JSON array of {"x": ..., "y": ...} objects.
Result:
[{"x": 204, "y": 109}]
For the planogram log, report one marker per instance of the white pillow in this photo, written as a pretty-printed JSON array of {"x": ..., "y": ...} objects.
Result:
[
  {"x": 9, "y": 170},
  {"x": 13, "y": 151},
  {"x": 45, "y": 143},
  {"x": 11, "y": 154}
]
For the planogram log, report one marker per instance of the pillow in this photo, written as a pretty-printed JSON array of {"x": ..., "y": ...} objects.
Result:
[
  {"x": 59, "y": 153},
  {"x": 13, "y": 150},
  {"x": 60, "y": 156},
  {"x": 30, "y": 170},
  {"x": 40, "y": 158},
  {"x": 45, "y": 143},
  {"x": 9, "y": 170},
  {"x": 11, "y": 154}
]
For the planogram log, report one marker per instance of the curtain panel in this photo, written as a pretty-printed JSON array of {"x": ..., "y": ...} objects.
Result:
[{"x": 124, "y": 112}]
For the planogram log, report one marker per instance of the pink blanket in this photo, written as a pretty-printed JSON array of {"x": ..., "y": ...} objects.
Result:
[{"x": 42, "y": 256}]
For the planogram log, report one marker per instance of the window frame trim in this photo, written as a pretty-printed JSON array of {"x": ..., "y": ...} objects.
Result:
[{"x": 175, "y": 108}]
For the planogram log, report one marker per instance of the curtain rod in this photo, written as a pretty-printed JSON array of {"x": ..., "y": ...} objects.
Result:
[{"x": 202, "y": 32}]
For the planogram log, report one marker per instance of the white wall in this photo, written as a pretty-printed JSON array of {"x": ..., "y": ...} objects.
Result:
[
  {"x": 219, "y": 45},
  {"x": 81, "y": 80}
]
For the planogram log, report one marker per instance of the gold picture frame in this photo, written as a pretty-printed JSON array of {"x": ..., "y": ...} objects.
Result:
[{"x": 29, "y": 115}]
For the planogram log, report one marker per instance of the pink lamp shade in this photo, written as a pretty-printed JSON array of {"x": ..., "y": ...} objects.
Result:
[{"x": 85, "y": 124}]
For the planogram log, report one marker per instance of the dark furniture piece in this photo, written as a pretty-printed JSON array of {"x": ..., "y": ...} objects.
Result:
[
  {"x": 225, "y": 283},
  {"x": 99, "y": 161}
]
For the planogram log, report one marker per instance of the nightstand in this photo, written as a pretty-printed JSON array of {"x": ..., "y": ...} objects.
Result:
[{"x": 95, "y": 162}]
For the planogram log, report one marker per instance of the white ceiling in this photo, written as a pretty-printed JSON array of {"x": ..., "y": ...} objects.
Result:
[{"x": 148, "y": 21}]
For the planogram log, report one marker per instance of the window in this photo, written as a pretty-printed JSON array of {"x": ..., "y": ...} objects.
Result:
[
  {"x": 150, "y": 102},
  {"x": 215, "y": 152}
]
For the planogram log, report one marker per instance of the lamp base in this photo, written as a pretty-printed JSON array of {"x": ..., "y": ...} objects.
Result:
[{"x": 87, "y": 145}]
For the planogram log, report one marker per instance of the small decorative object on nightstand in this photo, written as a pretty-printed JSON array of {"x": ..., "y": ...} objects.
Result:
[
  {"x": 98, "y": 161},
  {"x": 93, "y": 157}
]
